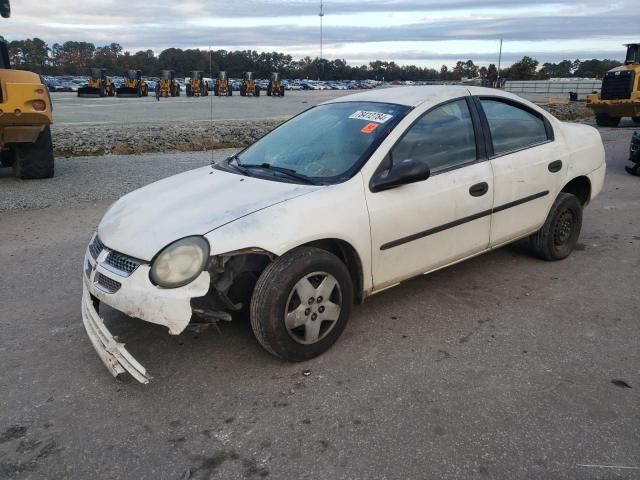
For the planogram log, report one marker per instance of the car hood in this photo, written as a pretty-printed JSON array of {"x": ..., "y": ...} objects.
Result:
[{"x": 143, "y": 222}]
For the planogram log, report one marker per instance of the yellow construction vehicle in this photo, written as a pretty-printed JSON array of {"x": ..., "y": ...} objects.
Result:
[
  {"x": 168, "y": 86},
  {"x": 99, "y": 85},
  {"x": 25, "y": 118},
  {"x": 222, "y": 87},
  {"x": 620, "y": 93},
  {"x": 275, "y": 88},
  {"x": 249, "y": 87},
  {"x": 133, "y": 85},
  {"x": 196, "y": 86}
]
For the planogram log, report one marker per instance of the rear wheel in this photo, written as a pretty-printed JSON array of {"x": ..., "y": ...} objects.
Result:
[
  {"x": 282, "y": 91},
  {"x": 301, "y": 304},
  {"x": 560, "y": 232},
  {"x": 257, "y": 91},
  {"x": 269, "y": 90},
  {"x": 606, "y": 120},
  {"x": 35, "y": 160}
]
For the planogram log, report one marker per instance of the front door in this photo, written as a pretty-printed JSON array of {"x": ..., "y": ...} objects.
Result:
[{"x": 419, "y": 227}]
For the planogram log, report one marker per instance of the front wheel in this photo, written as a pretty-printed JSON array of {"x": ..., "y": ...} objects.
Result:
[
  {"x": 35, "y": 160},
  {"x": 558, "y": 236},
  {"x": 301, "y": 304},
  {"x": 606, "y": 120}
]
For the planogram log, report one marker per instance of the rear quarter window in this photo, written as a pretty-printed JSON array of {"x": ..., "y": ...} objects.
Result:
[{"x": 513, "y": 127}]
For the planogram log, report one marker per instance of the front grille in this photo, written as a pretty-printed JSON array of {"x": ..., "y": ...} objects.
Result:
[
  {"x": 96, "y": 247},
  {"x": 617, "y": 85},
  {"x": 123, "y": 264},
  {"x": 106, "y": 284}
]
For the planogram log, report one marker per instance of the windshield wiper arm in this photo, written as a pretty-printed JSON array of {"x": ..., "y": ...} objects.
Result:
[
  {"x": 237, "y": 165},
  {"x": 287, "y": 171}
]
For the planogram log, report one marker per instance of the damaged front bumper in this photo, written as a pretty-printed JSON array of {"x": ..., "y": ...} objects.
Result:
[{"x": 132, "y": 293}]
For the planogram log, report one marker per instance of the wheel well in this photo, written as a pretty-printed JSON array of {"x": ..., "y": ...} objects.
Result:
[
  {"x": 345, "y": 252},
  {"x": 580, "y": 187}
]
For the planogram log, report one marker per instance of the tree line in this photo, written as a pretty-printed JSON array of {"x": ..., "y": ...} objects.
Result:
[{"x": 75, "y": 58}]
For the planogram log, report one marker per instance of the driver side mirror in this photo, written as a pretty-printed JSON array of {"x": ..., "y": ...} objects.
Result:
[
  {"x": 5, "y": 8},
  {"x": 403, "y": 173}
]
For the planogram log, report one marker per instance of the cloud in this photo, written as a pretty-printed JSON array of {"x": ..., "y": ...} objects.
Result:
[{"x": 166, "y": 24}]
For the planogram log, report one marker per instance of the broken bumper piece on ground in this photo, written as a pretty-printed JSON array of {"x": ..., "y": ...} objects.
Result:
[{"x": 112, "y": 353}]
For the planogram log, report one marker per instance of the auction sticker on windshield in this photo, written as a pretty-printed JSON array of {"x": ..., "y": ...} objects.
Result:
[{"x": 371, "y": 116}]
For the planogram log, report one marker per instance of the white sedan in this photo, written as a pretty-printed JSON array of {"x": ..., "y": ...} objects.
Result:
[{"x": 345, "y": 200}]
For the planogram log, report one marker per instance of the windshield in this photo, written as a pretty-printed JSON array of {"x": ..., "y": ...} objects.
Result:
[
  {"x": 325, "y": 143},
  {"x": 633, "y": 54}
]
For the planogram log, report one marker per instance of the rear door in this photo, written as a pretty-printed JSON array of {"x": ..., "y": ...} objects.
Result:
[{"x": 527, "y": 166}]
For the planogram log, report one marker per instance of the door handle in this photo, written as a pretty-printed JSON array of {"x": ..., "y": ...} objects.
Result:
[
  {"x": 479, "y": 189},
  {"x": 556, "y": 166}
]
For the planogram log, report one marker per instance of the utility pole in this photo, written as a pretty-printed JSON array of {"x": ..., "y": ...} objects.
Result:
[{"x": 499, "y": 60}]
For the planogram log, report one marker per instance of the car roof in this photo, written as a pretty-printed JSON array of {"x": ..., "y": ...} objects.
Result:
[{"x": 412, "y": 96}]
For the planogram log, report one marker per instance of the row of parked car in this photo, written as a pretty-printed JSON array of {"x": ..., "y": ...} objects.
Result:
[{"x": 71, "y": 84}]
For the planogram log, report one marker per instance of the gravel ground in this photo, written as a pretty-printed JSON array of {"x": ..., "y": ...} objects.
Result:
[{"x": 501, "y": 367}]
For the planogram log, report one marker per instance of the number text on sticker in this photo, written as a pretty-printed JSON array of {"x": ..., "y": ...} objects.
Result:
[{"x": 371, "y": 116}]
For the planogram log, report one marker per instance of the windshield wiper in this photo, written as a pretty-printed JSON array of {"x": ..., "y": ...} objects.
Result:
[
  {"x": 237, "y": 165},
  {"x": 287, "y": 171}
]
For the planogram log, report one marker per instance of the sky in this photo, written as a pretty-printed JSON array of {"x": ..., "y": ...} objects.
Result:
[{"x": 421, "y": 32}]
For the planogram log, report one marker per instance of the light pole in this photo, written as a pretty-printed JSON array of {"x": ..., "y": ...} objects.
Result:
[
  {"x": 499, "y": 61},
  {"x": 321, "y": 14},
  {"x": 321, "y": 65}
]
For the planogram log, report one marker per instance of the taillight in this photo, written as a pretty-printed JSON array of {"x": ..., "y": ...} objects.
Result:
[{"x": 39, "y": 105}]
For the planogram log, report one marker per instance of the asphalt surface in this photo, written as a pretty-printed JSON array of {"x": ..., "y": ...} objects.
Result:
[
  {"x": 69, "y": 109},
  {"x": 501, "y": 367}
]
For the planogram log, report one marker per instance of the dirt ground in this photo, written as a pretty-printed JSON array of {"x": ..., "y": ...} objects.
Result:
[{"x": 502, "y": 367}]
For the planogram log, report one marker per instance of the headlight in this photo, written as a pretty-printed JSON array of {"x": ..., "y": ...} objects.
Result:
[{"x": 180, "y": 263}]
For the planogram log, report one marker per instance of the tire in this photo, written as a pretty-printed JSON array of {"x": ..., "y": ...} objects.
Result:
[
  {"x": 276, "y": 293},
  {"x": 243, "y": 91},
  {"x": 269, "y": 90},
  {"x": 35, "y": 160},
  {"x": 635, "y": 119},
  {"x": 558, "y": 236},
  {"x": 605, "y": 120},
  {"x": 257, "y": 91},
  {"x": 282, "y": 91},
  {"x": 103, "y": 91}
]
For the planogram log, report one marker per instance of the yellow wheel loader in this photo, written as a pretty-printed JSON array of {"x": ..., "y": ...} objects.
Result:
[
  {"x": 99, "y": 85},
  {"x": 620, "y": 93},
  {"x": 275, "y": 87},
  {"x": 196, "y": 86},
  {"x": 25, "y": 118},
  {"x": 222, "y": 87},
  {"x": 249, "y": 87},
  {"x": 168, "y": 86},
  {"x": 133, "y": 85}
]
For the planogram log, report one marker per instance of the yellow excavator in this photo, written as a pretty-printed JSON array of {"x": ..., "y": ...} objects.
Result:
[
  {"x": 620, "y": 93},
  {"x": 99, "y": 85},
  {"x": 275, "y": 87},
  {"x": 222, "y": 88},
  {"x": 196, "y": 86},
  {"x": 133, "y": 86},
  {"x": 249, "y": 87},
  {"x": 168, "y": 86},
  {"x": 25, "y": 132}
]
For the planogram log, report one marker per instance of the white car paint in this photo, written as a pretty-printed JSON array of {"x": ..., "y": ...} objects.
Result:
[{"x": 236, "y": 212}]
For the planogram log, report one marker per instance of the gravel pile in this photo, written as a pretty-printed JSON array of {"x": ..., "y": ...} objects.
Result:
[
  {"x": 127, "y": 139},
  {"x": 133, "y": 139},
  {"x": 571, "y": 111}
]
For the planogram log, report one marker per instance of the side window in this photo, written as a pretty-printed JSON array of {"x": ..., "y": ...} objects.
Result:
[
  {"x": 442, "y": 138},
  {"x": 512, "y": 128}
]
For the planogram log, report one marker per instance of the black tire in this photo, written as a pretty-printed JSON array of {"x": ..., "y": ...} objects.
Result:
[
  {"x": 243, "y": 91},
  {"x": 257, "y": 91},
  {"x": 269, "y": 90},
  {"x": 635, "y": 119},
  {"x": 605, "y": 120},
  {"x": 559, "y": 235},
  {"x": 272, "y": 293},
  {"x": 103, "y": 91},
  {"x": 633, "y": 169},
  {"x": 35, "y": 160},
  {"x": 229, "y": 92},
  {"x": 282, "y": 91}
]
